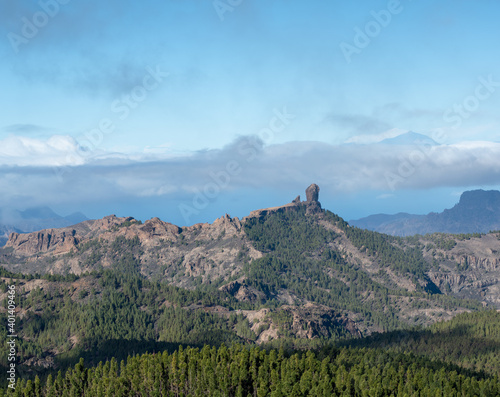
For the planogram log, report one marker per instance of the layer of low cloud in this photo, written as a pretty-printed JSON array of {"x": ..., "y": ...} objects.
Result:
[{"x": 38, "y": 172}]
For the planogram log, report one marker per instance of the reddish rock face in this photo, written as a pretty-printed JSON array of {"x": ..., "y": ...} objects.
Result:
[
  {"x": 63, "y": 240},
  {"x": 43, "y": 241},
  {"x": 312, "y": 192}
]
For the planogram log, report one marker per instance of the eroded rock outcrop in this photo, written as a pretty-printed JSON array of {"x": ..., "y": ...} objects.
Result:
[
  {"x": 312, "y": 204},
  {"x": 312, "y": 193},
  {"x": 156, "y": 228},
  {"x": 316, "y": 321},
  {"x": 454, "y": 281},
  {"x": 489, "y": 264},
  {"x": 242, "y": 292},
  {"x": 312, "y": 321},
  {"x": 281, "y": 208},
  {"x": 60, "y": 241},
  {"x": 43, "y": 241}
]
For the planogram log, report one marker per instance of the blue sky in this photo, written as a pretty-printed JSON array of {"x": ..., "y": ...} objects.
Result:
[{"x": 189, "y": 109}]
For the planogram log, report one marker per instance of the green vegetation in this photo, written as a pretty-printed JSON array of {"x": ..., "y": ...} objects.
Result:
[
  {"x": 237, "y": 371},
  {"x": 470, "y": 340},
  {"x": 443, "y": 241},
  {"x": 386, "y": 249},
  {"x": 301, "y": 259},
  {"x": 126, "y": 224},
  {"x": 115, "y": 313},
  {"x": 110, "y": 314},
  {"x": 130, "y": 223}
]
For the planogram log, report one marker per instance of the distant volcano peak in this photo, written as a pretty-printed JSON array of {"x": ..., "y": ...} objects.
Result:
[{"x": 410, "y": 138}]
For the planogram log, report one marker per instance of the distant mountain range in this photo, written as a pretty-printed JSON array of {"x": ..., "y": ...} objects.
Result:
[
  {"x": 33, "y": 219},
  {"x": 478, "y": 211}
]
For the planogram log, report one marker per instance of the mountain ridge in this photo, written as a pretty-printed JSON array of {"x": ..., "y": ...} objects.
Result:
[
  {"x": 204, "y": 254},
  {"x": 294, "y": 275},
  {"x": 33, "y": 219},
  {"x": 478, "y": 211}
]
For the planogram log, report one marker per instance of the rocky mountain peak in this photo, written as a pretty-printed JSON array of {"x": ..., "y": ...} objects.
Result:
[
  {"x": 226, "y": 224},
  {"x": 487, "y": 199},
  {"x": 155, "y": 227},
  {"x": 312, "y": 204},
  {"x": 312, "y": 192}
]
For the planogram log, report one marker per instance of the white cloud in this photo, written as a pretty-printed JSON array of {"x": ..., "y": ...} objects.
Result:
[
  {"x": 54, "y": 151},
  {"x": 475, "y": 145}
]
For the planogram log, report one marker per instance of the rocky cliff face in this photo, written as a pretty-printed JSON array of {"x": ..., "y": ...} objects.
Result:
[
  {"x": 312, "y": 204},
  {"x": 312, "y": 193},
  {"x": 62, "y": 240},
  {"x": 109, "y": 228},
  {"x": 53, "y": 240},
  {"x": 294, "y": 206},
  {"x": 204, "y": 251}
]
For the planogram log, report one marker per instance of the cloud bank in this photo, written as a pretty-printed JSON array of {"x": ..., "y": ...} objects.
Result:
[{"x": 38, "y": 172}]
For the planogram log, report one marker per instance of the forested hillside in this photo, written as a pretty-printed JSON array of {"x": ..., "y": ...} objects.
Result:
[
  {"x": 294, "y": 278},
  {"x": 302, "y": 257},
  {"x": 470, "y": 340},
  {"x": 237, "y": 371}
]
